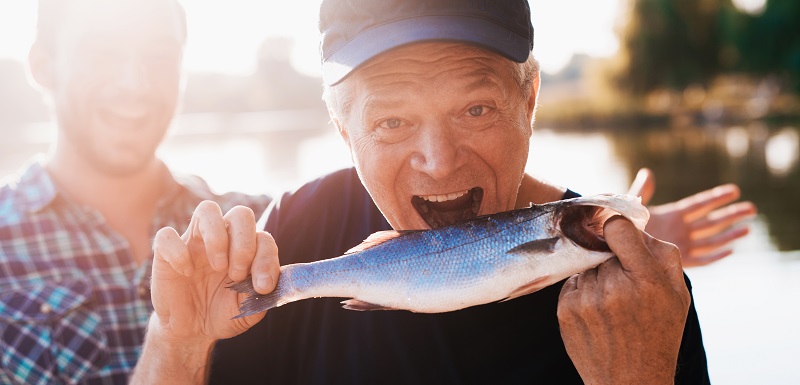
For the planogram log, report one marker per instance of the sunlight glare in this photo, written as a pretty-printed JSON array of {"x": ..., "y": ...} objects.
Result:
[
  {"x": 737, "y": 142},
  {"x": 783, "y": 151},
  {"x": 567, "y": 27},
  {"x": 18, "y": 28},
  {"x": 225, "y": 37},
  {"x": 753, "y": 7}
]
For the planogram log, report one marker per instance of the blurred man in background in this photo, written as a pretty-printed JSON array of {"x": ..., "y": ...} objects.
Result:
[
  {"x": 76, "y": 224},
  {"x": 436, "y": 103}
]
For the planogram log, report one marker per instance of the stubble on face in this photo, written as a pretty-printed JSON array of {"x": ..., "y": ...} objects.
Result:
[{"x": 438, "y": 132}]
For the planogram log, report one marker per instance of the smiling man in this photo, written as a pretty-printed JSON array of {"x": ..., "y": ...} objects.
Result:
[
  {"x": 436, "y": 101},
  {"x": 76, "y": 224}
]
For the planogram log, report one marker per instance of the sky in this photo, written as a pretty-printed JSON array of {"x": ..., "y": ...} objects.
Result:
[{"x": 224, "y": 36}]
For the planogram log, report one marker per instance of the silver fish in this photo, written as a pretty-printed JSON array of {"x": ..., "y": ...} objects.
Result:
[{"x": 490, "y": 258}]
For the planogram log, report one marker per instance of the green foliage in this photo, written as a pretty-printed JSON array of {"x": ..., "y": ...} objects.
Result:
[
  {"x": 769, "y": 44},
  {"x": 674, "y": 43}
]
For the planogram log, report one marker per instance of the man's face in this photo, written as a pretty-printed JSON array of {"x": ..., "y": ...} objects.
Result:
[
  {"x": 439, "y": 133},
  {"x": 116, "y": 81}
]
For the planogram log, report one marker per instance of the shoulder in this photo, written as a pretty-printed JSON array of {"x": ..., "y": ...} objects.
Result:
[
  {"x": 196, "y": 190},
  {"x": 28, "y": 191},
  {"x": 325, "y": 194},
  {"x": 327, "y": 215},
  {"x": 692, "y": 359},
  {"x": 538, "y": 191},
  {"x": 10, "y": 212}
]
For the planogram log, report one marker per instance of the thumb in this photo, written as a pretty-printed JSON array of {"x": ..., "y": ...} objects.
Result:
[
  {"x": 628, "y": 244},
  {"x": 644, "y": 185}
]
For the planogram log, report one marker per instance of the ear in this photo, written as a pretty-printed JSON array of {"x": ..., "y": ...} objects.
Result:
[
  {"x": 339, "y": 127},
  {"x": 532, "y": 99},
  {"x": 41, "y": 68}
]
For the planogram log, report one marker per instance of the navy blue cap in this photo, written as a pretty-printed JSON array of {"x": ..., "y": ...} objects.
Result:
[{"x": 354, "y": 31}]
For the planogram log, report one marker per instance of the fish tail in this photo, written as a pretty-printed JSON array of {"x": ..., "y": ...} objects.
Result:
[{"x": 256, "y": 303}]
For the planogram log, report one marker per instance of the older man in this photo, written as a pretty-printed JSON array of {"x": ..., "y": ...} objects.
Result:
[{"x": 435, "y": 100}]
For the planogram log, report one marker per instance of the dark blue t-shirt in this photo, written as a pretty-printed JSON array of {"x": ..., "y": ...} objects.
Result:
[{"x": 315, "y": 341}]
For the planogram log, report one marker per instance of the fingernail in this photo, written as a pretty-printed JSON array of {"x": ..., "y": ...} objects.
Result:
[{"x": 263, "y": 282}]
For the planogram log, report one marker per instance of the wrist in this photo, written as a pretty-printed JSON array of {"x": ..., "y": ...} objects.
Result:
[
  {"x": 176, "y": 339},
  {"x": 168, "y": 359}
]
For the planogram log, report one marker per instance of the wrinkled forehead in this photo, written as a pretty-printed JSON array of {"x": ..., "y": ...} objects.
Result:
[{"x": 120, "y": 21}]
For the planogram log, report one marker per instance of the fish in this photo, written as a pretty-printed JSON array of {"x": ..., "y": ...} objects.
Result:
[{"x": 490, "y": 258}]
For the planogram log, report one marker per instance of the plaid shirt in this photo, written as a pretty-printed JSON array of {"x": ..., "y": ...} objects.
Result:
[{"x": 74, "y": 303}]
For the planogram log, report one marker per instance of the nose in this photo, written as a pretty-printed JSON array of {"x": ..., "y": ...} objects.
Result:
[
  {"x": 132, "y": 77},
  {"x": 439, "y": 152}
]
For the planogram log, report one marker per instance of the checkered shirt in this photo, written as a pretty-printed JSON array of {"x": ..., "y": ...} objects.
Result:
[{"x": 74, "y": 303}]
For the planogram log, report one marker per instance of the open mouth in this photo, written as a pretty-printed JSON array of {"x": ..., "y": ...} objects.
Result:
[{"x": 447, "y": 209}]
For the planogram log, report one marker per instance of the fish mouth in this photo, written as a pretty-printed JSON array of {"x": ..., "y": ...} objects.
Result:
[
  {"x": 583, "y": 225},
  {"x": 441, "y": 210}
]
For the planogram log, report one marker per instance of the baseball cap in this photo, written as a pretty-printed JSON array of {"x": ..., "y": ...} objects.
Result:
[{"x": 355, "y": 31}]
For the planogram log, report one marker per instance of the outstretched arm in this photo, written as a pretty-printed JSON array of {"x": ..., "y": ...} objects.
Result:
[
  {"x": 193, "y": 307},
  {"x": 702, "y": 225}
]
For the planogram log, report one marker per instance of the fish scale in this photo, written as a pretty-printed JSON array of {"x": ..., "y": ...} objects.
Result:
[{"x": 486, "y": 259}]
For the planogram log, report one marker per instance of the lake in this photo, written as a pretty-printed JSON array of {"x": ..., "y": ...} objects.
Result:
[{"x": 746, "y": 305}]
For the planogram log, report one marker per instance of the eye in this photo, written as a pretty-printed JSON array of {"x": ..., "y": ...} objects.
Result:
[
  {"x": 476, "y": 111},
  {"x": 391, "y": 123}
]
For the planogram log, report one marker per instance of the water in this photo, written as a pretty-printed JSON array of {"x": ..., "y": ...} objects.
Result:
[{"x": 746, "y": 302}]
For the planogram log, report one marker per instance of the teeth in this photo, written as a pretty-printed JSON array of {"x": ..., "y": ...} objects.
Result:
[{"x": 444, "y": 197}]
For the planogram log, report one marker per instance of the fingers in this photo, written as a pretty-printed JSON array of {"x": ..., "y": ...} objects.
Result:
[
  {"x": 241, "y": 234},
  {"x": 722, "y": 218},
  {"x": 706, "y": 259},
  {"x": 587, "y": 280},
  {"x": 710, "y": 244},
  {"x": 207, "y": 235},
  {"x": 644, "y": 185},
  {"x": 169, "y": 248},
  {"x": 628, "y": 244},
  {"x": 698, "y": 205},
  {"x": 266, "y": 266}
]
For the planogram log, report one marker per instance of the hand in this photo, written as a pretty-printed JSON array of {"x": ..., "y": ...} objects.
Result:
[
  {"x": 702, "y": 225},
  {"x": 190, "y": 273},
  {"x": 622, "y": 322}
]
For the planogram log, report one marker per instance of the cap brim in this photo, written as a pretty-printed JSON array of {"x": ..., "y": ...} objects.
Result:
[{"x": 375, "y": 41}]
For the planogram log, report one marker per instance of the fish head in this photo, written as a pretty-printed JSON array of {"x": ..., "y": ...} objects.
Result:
[
  {"x": 581, "y": 220},
  {"x": 569, "y": 239}
]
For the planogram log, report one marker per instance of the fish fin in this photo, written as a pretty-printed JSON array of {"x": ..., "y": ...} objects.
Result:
[
  {"x": 244, "y": 287},
  {"x": 357, "y": 304},
  {"x": 255, "y": 302},
  {"x": 547, "y": 245},
  {"x": 377, "y": 238},
  {"x": 527, "y": 288}
]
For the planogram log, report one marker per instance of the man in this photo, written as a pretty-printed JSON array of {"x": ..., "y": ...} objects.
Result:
[
  {"x": 76, "y": 225},
  {"x": 435, "y": 100}
]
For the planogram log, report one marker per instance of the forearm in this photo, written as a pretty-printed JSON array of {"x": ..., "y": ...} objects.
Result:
[{"x": 166, "y": 360}]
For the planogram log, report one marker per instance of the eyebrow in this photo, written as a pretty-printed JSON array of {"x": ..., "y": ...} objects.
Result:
[
  {"x": 373, "y": 103},
  {"x": 486, "y": 79}
]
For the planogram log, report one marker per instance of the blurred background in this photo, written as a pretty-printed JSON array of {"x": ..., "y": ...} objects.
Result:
[{"x": 703, "y": 92}]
